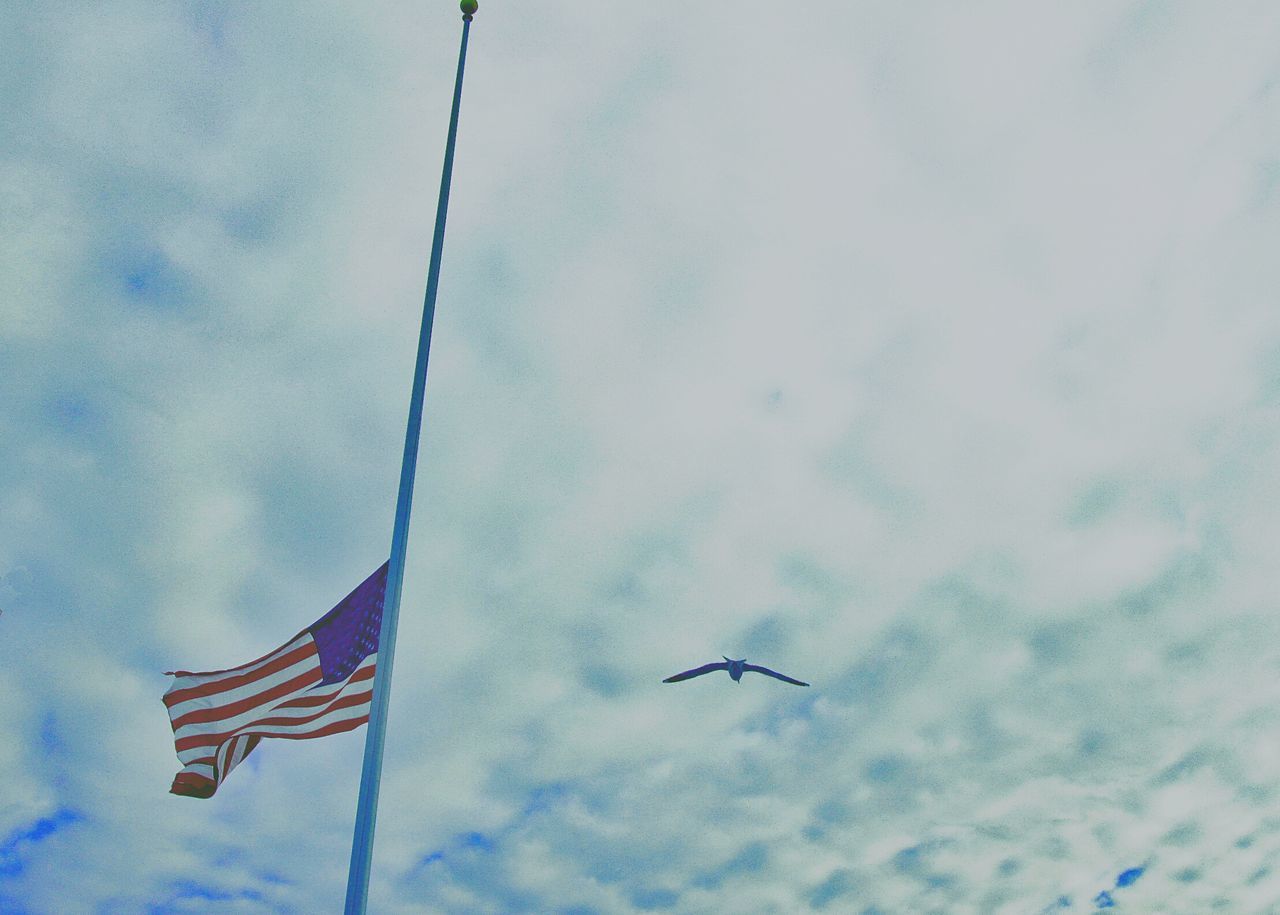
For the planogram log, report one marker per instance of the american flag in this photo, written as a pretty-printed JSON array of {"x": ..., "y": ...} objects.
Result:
[{"x": 319, "y": 682}]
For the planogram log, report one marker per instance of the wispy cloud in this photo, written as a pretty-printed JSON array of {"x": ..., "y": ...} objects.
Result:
[{"x": 927, "y": 354}]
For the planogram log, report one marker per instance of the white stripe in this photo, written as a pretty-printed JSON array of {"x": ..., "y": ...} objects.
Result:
[
  {"x": 226, "y": 753},
  {"x": 220, "y": 759},
  {"x": 279, "y": 730},
  {"x": 221, "y": 696},
  {"x": 333, "y": 694},
  {"x": 199, "y": 769},
  {"x": 196, "y": 678},
  {"x": 239, "y": 752},
  {"x": 325, "y": 712},
  {"x": 308, "y": 662},
  {"x": 241, "y": 743},
  {"x": 227, "y": 758},
  {"x": 225, "y": 725},
  {"x": 271, "y": 708}
]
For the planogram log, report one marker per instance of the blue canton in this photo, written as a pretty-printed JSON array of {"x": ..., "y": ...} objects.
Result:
[{"x": 349, "y": 633}]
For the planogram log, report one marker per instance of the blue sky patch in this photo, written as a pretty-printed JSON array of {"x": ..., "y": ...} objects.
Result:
[
  {"x": 654, "y": 900},
  {"x": 839, "y": 884},
  {"x": 50, "y": 739},
  {"x": 476, "y": 840},
  {"x": 1130, "y": 876},
  {"x": 11, "y": 849},
  {"x": 146, "y": 276},
  {"x": 73, "y": 413}
]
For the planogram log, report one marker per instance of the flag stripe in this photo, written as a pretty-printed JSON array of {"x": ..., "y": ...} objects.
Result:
[
  {"x": 307, "y": 667},
  {"x": 198, "y": 742},
  {"x": 243, "y": 668},
  {"x": 194, "y": 735},
  {"x": 343, "y": 702},
  {"x": 309, "y": 676},
  {"x": 189, "y": 784},
  {"x": 203, "y": 687},
  {"x": 313, "y": 698},
  {"x": 303, "y": 701},
  {"x": 272, "y": 713},
  {"x": 344, "y": 721},
  {"x": 251, "y": 667}
]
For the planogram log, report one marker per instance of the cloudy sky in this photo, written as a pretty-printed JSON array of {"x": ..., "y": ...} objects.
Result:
[{"x": 928, "y": 352}]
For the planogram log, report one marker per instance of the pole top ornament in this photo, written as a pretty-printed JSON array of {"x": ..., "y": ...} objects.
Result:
[{"x": 469, "y": 8}]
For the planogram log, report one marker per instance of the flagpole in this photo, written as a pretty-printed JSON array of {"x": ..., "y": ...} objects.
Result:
[{"x": 371, "y": 771}]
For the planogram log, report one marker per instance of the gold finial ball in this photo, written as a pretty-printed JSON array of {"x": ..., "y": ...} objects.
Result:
[{"x": 469, "y": 7}]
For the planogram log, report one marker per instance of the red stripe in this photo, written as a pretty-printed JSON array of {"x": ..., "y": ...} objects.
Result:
[
  {"x": 344, "y": 702},
  {"x": 313, "y": 698},
  {"x": 232, "y": 709},
  {"x": 218, "y": 686},
  {"x": 213, "y": 740},
  {"x": 337, "y": 727},
  {"x": 188, "y": 784},
  {"x": 225, "y": 752}
]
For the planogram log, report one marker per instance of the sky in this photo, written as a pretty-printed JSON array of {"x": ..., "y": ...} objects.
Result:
[{"x": 926, "y": 352}]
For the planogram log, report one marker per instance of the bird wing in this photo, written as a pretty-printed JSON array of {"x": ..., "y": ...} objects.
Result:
[
  {"x": 697, "y": 672},
  {"x": 773, "y": 673}
]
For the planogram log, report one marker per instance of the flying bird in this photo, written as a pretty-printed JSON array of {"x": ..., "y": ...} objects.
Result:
[{"x": 736, "y": 670}]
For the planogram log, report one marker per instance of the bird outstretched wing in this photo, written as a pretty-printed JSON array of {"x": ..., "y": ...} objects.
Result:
[
  {"x": 697, "y": 672},
  {"x": 773, "y": 673}
]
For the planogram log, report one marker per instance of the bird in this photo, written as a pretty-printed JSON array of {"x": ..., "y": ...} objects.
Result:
[{"x": 736, "y": 670}]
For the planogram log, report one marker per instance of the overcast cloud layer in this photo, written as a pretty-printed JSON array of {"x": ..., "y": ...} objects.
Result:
[{"x": 928, "y": 352}]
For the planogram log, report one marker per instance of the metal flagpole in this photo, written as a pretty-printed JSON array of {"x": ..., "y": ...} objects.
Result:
[{"x": 371, "y": 772}]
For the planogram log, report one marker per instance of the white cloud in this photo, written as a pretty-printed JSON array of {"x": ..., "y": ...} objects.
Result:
[{"x": 926, "y": 355}]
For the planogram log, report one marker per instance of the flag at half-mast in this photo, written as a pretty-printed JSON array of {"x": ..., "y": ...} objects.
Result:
[{"x": 319, "y": 682}]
